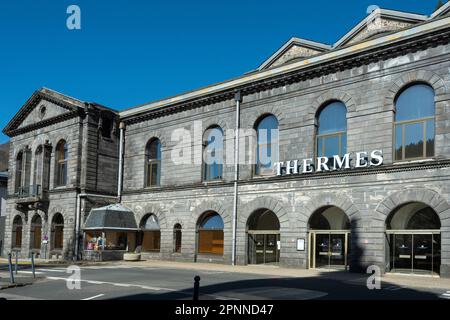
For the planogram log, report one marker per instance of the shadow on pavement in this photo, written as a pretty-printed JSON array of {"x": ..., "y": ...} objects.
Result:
[{"x": 322, "y": 287}]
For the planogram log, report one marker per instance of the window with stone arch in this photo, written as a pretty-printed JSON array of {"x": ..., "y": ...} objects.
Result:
[
  {"x": 210, "y": 234},
  {"x": 177, "y": 237},
  {"x": 267, "y": 152},
  {"x": 213, "y": 154},
  {"x": 153, "y": 163},
  {"x": 414, "y": 122},
  {"x": 331, "y": 130},
  {"x": 62, "y": 158},
  {"x": 17, "y": 229}
]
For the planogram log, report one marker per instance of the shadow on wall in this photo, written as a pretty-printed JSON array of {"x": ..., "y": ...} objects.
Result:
[
  {"x": 357, "y": 264},
  {"x": 323, "y": 287}
]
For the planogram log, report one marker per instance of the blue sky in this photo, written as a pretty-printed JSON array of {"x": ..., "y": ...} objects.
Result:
[{"x": 132, "y": 52}]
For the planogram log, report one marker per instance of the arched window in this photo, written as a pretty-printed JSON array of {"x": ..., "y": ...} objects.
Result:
[
  {"x": 57, "y": 232},
  {"x": 213, "y": 154},
  {"x": 19, "y": 168},
  {"x": 17, "y": 233},
  {"x": 210, "y": 234},
  {"x": 332, "y": 130},
  {"x": 153, "y": 163},
  {"x": 177, "y": 238},
  {"x": 267, "y": 145},
  {"x": 62, "y": 157},
  {"x": 150, "y": 234},
  {"x": 36, "y": 233},
  {"x": 414, "y": 123}
]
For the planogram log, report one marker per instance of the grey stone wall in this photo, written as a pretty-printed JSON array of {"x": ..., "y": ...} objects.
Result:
[
  {"x": 92, "y": 168},
  {"x": 368, "y": 92}
]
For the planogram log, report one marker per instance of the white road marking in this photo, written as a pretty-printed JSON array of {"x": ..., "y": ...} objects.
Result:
[
  {"x": 52, "y": 270},
  {"x": 95, "y": 282},
  {"x": 224, "y": 298},
  {"x": 30, "y": 272},
  {"x": 112, "y": 284},
  {"x": 94, "y": 297}
]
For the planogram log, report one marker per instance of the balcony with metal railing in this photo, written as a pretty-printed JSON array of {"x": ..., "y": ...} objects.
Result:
[{"x": 30, "y": 194}]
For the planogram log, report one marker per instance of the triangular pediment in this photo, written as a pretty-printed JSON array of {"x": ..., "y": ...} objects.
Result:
[
  {"x": 43, "y": 106},
  {"x": 378, "y": 22},
  {"x": 294, "y": 50}
]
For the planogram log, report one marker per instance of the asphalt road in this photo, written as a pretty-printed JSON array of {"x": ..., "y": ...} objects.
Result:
[{"x": 144, "y": 283}]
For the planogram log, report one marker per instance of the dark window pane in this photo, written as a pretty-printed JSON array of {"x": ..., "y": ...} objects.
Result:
[
  {"x": 333, "y": 118},
  {"x": 155, "y": 174},
  {"x": 413, "y": 140},
  {"x": 430, "y": 138},
  {"x": 415, "y": 102},
  {"x": 154, "y": 150},
  {"x": 398, "y": 142}
]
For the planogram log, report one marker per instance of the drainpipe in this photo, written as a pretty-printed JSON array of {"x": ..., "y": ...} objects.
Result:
[
  {"x": 78, "y": 218},
  {"x": 237, "y": 99},
  {"x": 120, "y": 180}
]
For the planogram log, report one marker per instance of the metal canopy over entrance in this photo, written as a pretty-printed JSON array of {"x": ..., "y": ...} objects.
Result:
[
  {"x": 329, "y": 239},
  {"x": 413, "y": 240},
  {"x": 263, "y": 238}
]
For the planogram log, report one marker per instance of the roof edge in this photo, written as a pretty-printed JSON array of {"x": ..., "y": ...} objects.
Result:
[{"x": 264, "y": 74}]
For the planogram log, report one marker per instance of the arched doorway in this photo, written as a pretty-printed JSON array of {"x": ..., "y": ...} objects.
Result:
[
  {"x": 57, "y": 232},
  {"x": 150, "y": 235},
  {"x": 36, "y": 234},
  {"x": 263, "y": 228},
  {"x": 413, "y": 240},
  {"x": 210, "y": 238},
  {"x": 329, "y": 239}
]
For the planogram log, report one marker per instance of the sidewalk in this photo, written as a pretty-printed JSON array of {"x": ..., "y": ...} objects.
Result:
[
  {"x": 20, "y": 280},
  {"x": 391, "y": 279}
]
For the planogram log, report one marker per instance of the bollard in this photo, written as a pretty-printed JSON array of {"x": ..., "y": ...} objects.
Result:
[
  {"x": 17, "y": 259},
  {"x": 196, "y": 287},
  {"x": 11, "y": 274},
  {"x": 32, "y": 265}
]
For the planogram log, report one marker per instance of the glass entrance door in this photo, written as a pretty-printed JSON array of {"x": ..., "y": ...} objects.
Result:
[
  {"x": 263, "y": 248},
  {"x": 329, "y": 250},
  {"x": 322, "y": 250},
  {"x": 338, "y": 251},
  {"x": 417, "y": 253}
]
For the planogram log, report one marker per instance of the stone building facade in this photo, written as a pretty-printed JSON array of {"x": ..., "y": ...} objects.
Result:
[{"x": 350, "y": 218}]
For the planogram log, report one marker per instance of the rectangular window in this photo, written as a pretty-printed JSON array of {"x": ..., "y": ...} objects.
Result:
[
  {"x": 430, "y": 138},
  {"x": 414, "y": 139},
  {"x": 62, "y": 174},
  {"x": 210, "y": 242},
  {"x": 330, "y": 145},
  {"x": 18, "y": 238},
  {"x": 58, "y": 236},
  {"x": 151, "y": 241},
  {"x": 153, "y": 173}
]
